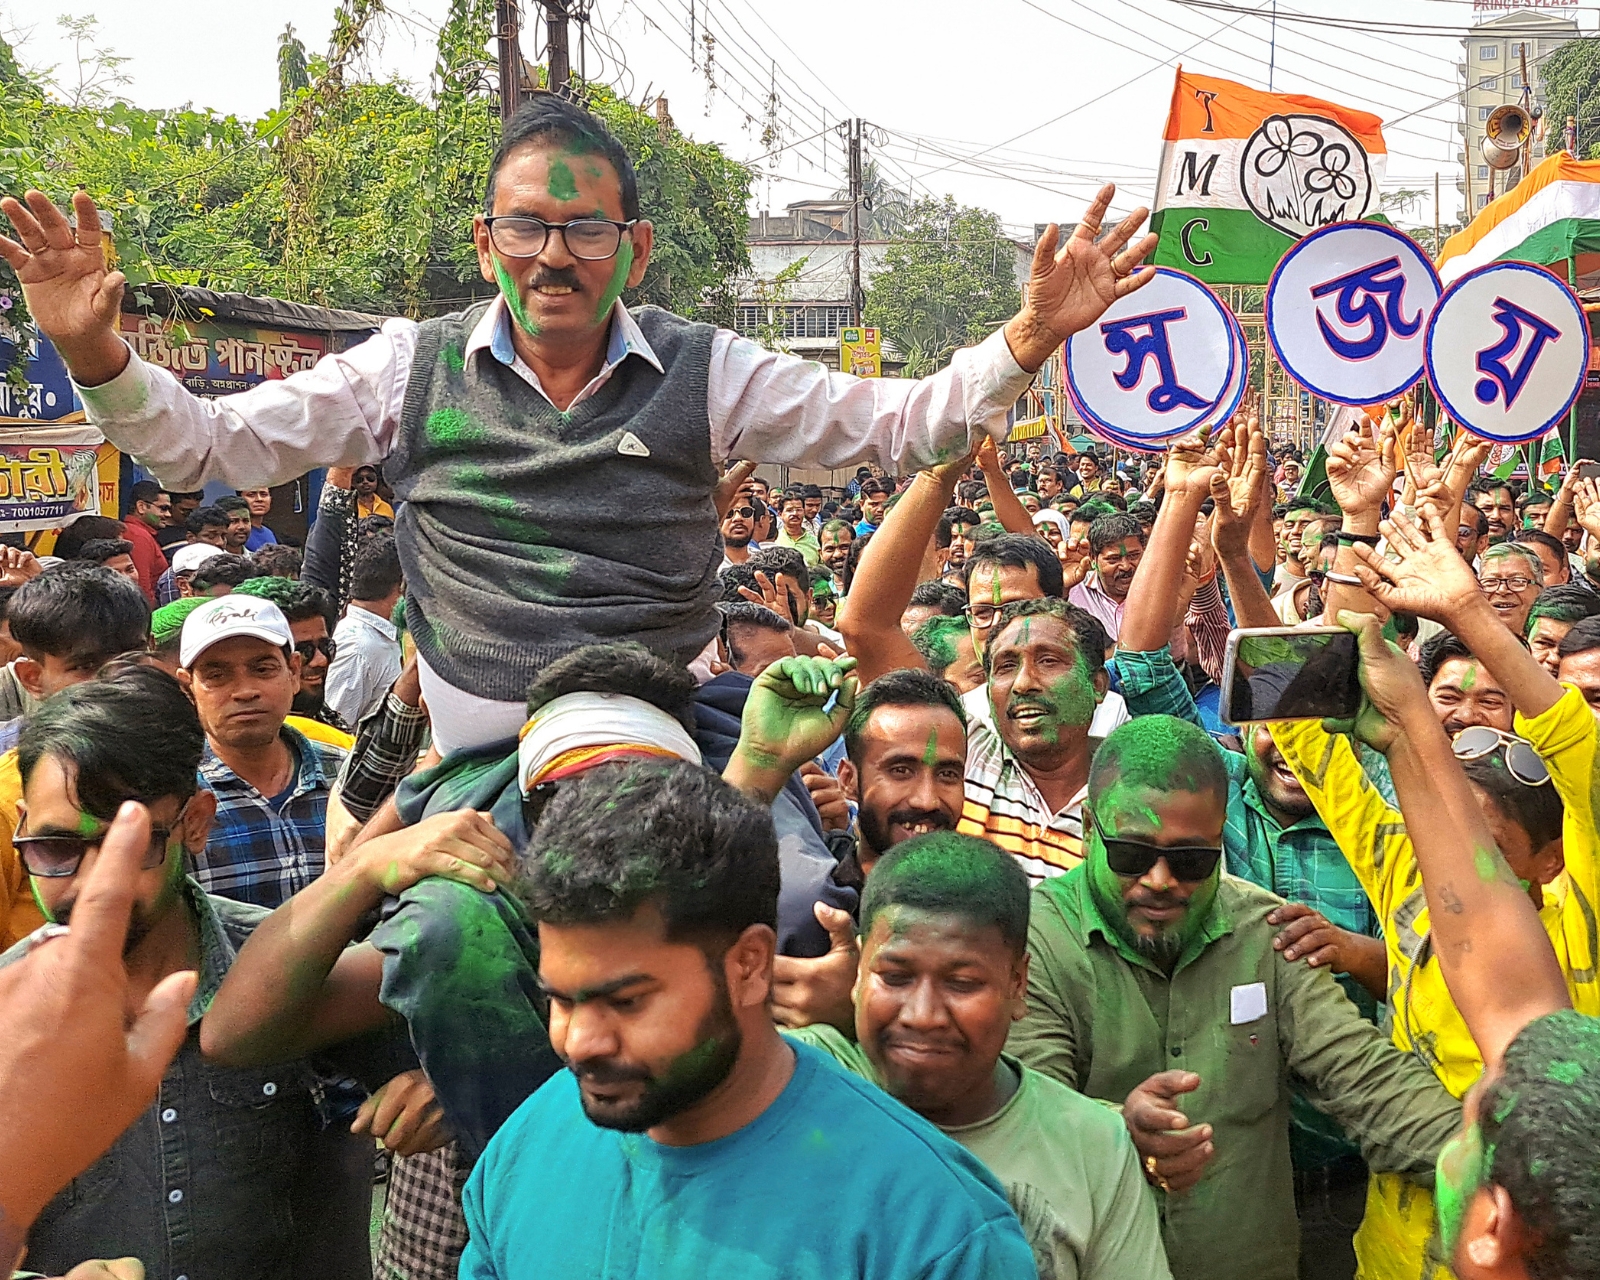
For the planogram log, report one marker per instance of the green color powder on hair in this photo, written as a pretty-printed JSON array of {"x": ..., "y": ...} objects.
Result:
[
  {"x": 619, "y": 279},
  {"x": 1565, "y": 1072},
  {"x": 513, "y": 297},
  {"x": 88, "y": 824},
  {"x": 562, "y": 184}
]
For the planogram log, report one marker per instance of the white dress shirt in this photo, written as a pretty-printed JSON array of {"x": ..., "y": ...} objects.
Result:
[{"x": 366, "y": 662}]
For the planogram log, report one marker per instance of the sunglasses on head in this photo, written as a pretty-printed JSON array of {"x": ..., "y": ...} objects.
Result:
[
  {"x": 1522, "y": 761},
  {"x": 1190, "y": 863}
]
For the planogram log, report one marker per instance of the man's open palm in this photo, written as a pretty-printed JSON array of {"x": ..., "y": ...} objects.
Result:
[
  {"x": 1071, "y": 286},
  {"x": 63, "y": 271}
]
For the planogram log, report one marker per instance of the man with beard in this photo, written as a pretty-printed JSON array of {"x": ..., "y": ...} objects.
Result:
[
  {"x": 1155, "y": 982},
  {"x": 687, "y": 1137},
  {"x": 834, "y": 542},
  {"x": 738, "y": 528},
  {"x": 944, "y": 935},
  {"x": 310, "y": 613},
  {"x": 169, "y": 1192},
  {"x": 1271, "y": 837},
  {"x": 1499, "y": 506},
  {"x": 239, "y": 526},
  {"x": 956, "y": 536},
  {"x": 1116, "y": 544}
]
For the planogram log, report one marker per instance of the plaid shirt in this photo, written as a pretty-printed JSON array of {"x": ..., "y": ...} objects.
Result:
[
  {"x": 260, "y": 853},
  {"x": 385, "y": 752}
]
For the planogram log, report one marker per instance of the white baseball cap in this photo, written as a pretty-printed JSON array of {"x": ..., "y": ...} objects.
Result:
[
  {"x": 190, "y": 556},
  {"x": 229, "y": 616}
]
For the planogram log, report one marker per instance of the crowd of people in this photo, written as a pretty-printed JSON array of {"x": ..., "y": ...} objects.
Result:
[{"x": 640, "y": 869}]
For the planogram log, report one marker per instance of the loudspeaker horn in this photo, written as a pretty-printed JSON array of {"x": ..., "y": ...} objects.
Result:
[{"x": 1504, "y": 132}]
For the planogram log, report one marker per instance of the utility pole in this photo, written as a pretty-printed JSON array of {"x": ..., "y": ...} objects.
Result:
[
  {"x": 510, "y": 57},
  {"x": 855, "y": 220},
  {"x": 555, "y": 25},
  {"x": 1437, "y": 245}
]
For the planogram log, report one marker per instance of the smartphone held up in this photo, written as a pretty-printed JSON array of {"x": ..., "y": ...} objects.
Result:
[{"x": 1290, "y": 673}]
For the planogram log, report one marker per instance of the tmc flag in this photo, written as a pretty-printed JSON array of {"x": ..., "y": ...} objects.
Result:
[{"x": 1245, "y": 174}]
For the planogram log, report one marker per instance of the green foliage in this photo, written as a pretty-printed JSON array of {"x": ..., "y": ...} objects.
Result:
[
  {"x": 946, "y": 280},
  {"x": 1571, "y": 72},
  {"x": 353, "y": 193}
]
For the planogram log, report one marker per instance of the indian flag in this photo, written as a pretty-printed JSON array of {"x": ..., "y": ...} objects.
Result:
[
  {"x": 1551, "y": 217},
  {"x": 1244, "y": 174}
]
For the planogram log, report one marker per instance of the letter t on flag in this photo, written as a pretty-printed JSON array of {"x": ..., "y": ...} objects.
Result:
[{"x": 1244, "y": 174}]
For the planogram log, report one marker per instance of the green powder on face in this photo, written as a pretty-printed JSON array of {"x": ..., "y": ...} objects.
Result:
[
  {"x": 88, "y": 824},
  {"x": 1470, "y": 679},
  {"x": 931, "y": 752},
  {"x": 1458, "y": 1175},
  {"x": 619, "y": 280},
  {"x": 997, "y": 589},
  {"x": 454, "y": 429},
  {"x": 513, "y": 297},
  {"x": 562, "y": 184}
]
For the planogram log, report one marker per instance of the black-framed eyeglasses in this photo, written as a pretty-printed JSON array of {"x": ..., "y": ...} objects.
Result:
[
  {"x": 1522, "y": 762},
  {"x": 588, "y": 239},
  {"x": 1493, "y": 586},
  {"x": 982, "y": 617},
  {"x": 308, "y": 648},
  {"x": 57, "y": 857},
  {"x": 1189, "y": 863}
]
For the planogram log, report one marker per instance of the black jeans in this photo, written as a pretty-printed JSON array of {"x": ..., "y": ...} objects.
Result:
[{"x": 1330, "y": 1202}]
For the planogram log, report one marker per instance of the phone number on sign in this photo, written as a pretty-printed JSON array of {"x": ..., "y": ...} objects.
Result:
[{"x": 44, "y": 511}]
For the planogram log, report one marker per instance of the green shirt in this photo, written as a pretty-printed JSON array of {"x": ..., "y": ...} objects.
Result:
[
  {"x": 806, "y": 544},
  {"x": 1069, "y": 1170},
  {"x": 1103, "y": 1019}
]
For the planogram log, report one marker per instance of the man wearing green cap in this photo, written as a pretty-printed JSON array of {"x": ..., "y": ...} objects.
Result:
[{"x": 1152, "y": 977}]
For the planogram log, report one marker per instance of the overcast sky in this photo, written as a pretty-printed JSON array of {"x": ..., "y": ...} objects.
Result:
[{"x": 944, "y": 83}]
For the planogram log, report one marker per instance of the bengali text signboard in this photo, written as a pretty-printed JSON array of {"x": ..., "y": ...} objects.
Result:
[{"x": 217, "y": 360}]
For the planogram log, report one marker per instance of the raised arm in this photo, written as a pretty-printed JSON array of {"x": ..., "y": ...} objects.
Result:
[
  {"x": 1482, "y": 922},
  {"x": 297, "y": 985},
  {"x": 780, "y": 409},
  {"x": 1192, "y": 464},
  {"x": 1008, "y": 508},
  {"x": 1361, "y": 472},
  {"x": 888, "y": 572},
  {"x": 1243, "y": 507},
  {"x": 341, "y": 412},
  {"x": 1428, "y": 577}
]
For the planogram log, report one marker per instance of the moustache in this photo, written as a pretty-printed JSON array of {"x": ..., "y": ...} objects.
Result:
[
  {"x": 1016, "y": 705},
  {"x": 1157, "y": 901},
  {"x": 935, "y": 818},
  {"x": 563, "y": 277},
  {"x": 604, "y": 1071}
]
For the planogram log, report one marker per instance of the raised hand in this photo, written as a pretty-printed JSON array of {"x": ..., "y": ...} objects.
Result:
[
  {"x": 1586, "y": 505},
  {"x": 1239, "y": 488},
  {"x": 18, "y": 566},
  {"x": 1075, "y": 560},
  {"x": 1391, "y": 686},
  {"x": 1071, "y": 284},
  {"x": 1361, "y": 467},
  {"x": 1427, "y": 575},
  {"x": 809, "y": 990},
  {"x": 786, "y": 720},
  {"x": 1193, "y": 459},
  {"x": 73, "y": 298},
  {"x": 1422, "y": 471},
  {"x": 1468, "y": 454},
  {"x": 729, "y": 484}
]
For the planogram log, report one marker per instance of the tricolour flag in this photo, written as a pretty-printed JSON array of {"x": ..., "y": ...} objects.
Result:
[
  {"x": 1244, "y": 174},
  {"x": 1552, "y": 455},
  {"x": 1550, "y": 217}
]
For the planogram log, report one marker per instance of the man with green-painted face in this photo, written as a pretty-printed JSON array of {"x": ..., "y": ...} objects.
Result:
[
  {"x": 554, "y": 452},
  {"x": 1154, "y": 984}
]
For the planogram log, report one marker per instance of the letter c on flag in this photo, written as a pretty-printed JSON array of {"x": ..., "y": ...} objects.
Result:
[{"x": 1198, "y": 260}]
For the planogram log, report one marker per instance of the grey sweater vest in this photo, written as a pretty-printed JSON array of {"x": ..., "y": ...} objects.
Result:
[{"x": 525, "y": 533}]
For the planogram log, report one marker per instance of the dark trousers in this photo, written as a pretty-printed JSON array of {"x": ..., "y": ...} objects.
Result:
[{"x": 1330, "y": 1202}]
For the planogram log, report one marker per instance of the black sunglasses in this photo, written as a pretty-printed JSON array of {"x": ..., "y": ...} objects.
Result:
[
  {"x": 744, "y": 513},
  {"x": 57, "y": 857},
  {"x": 1189, "y": 863},
  {"x": 308, "y": 647}
]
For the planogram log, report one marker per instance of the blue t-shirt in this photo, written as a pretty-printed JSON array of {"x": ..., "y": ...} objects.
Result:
[
  {"x": 835, "y": 1179},
  {"x": 260, "y": 536}
]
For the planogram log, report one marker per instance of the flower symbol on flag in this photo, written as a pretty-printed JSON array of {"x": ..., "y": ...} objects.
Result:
[
  {"x": 1332, "y": 174},
  {"x": 1280, "y": 143}
]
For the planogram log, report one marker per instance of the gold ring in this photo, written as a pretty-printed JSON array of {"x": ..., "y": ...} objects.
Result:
[{"x": 1150, "y": 1172}]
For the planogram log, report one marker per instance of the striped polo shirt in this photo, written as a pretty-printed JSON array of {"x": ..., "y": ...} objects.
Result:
[{"x": 1003, "y": 804}]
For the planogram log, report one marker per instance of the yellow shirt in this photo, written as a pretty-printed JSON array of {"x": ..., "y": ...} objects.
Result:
[
  {"x": 319, "y": 732},
  {"x": 1399, "y": 1222},
  {"x": 19, "y": 913}
]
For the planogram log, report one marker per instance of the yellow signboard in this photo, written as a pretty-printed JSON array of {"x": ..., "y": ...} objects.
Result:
[{"x": 861, "y": 352}]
